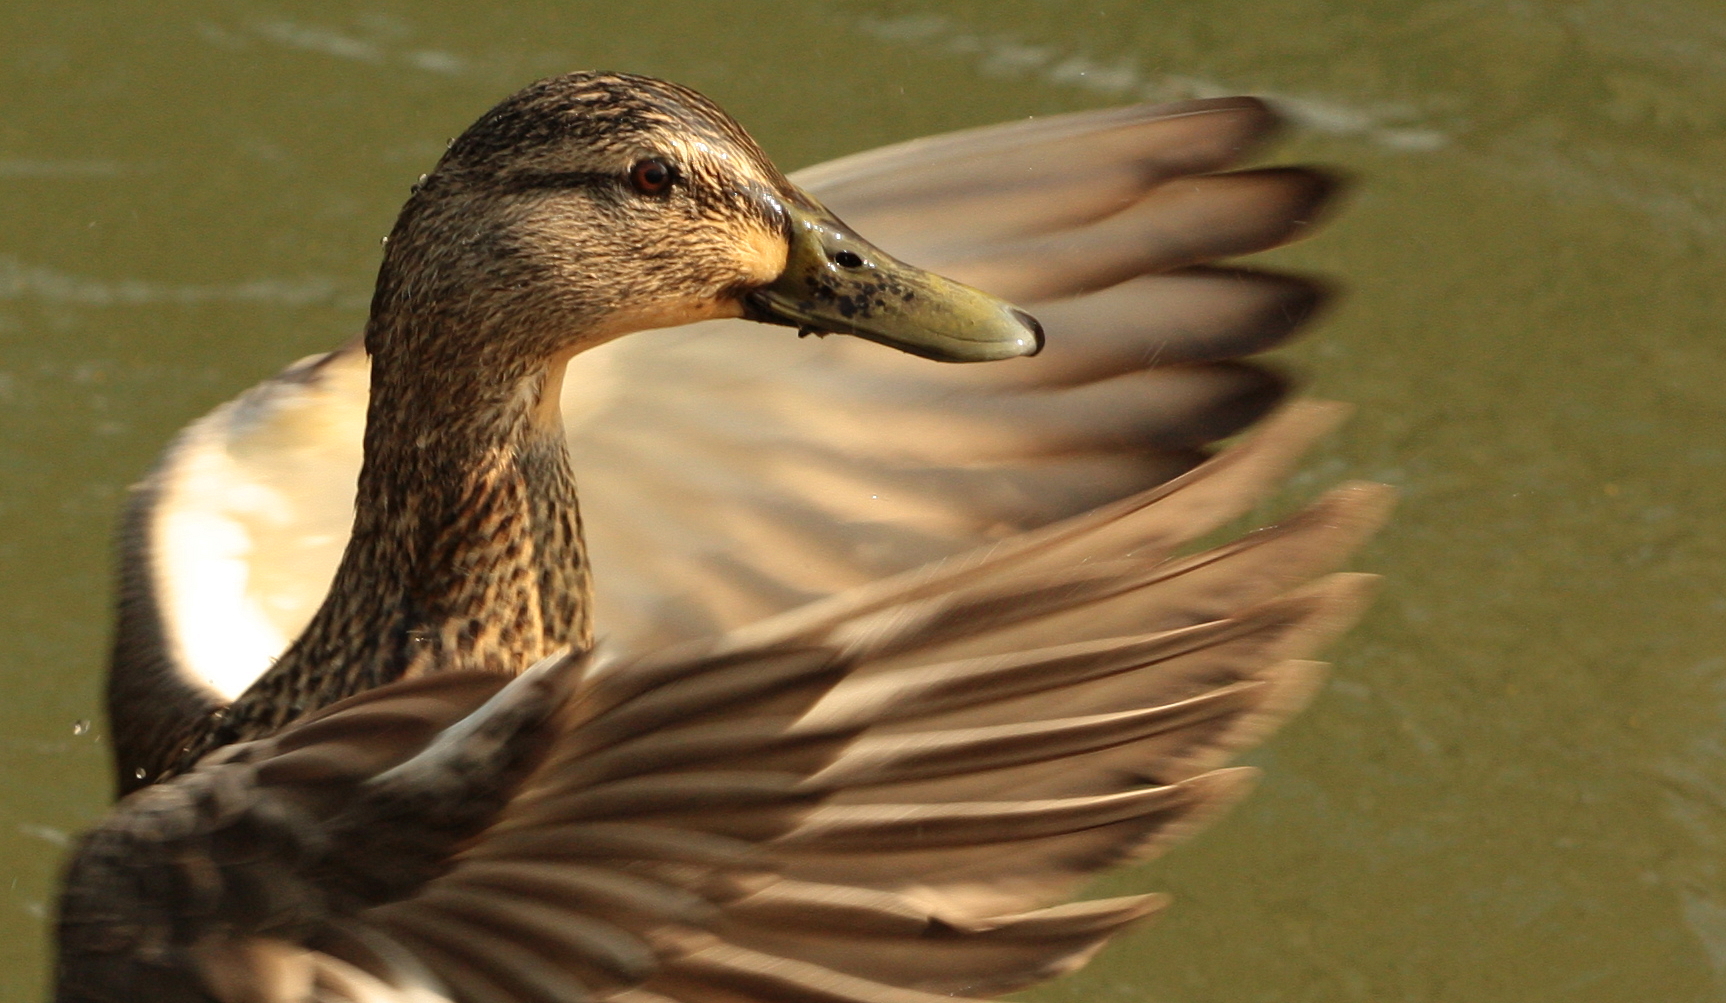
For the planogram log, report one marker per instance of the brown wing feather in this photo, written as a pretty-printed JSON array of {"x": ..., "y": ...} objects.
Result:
[
  {"x": 887, "y": 796},
  {"x": 1034, "y": 176}
]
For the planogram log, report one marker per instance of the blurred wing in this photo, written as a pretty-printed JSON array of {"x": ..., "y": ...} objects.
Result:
[
  {"x": 727, "y": 474},
  {"x": 162, "y": 897},
  {"x": 884, "y": 797}
]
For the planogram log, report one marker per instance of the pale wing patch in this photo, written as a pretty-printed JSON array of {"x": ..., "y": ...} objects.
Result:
[
  {"x": 221, "y": 636},
  {"x": 257, "y": 504},
  {"x": 253, "y": 520}
]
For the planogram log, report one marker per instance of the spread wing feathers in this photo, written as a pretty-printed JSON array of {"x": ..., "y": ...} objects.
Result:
[
  {"x": 182, "y": 876},
  {"x": 774, "y": 477},
  {"x": 884, "y": 798},
  {"x": 728, "y": 474},
  {"x": 888, "y": 797}
]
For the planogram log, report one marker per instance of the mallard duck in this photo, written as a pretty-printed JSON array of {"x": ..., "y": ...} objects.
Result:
[
  {"x": 727, "y": 477},
  {"x": 877, "y": 795}
]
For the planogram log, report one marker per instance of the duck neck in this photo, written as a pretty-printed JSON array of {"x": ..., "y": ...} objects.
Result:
[{"x": 466, "y": 551}]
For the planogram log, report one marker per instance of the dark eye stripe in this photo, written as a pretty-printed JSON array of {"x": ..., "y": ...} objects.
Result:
[
  {"x": 649, "y": 177},
  {"x": 553, "y": 179}
]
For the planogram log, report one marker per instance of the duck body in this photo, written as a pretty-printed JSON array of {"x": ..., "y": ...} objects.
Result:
[
  {"x": 884, "y": 796},
  {"x": 715, "y": 807}
]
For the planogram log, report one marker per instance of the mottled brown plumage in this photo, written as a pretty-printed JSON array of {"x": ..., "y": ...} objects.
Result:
[{"x": 883, "y": 796}]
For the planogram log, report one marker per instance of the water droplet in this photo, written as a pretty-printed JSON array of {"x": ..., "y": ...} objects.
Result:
[
  {"x": 80, "y": 726},
  {"x": 139, "y": 773}
]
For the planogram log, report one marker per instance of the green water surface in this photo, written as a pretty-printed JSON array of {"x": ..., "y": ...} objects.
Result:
[{"x": 1515, "y": 788}]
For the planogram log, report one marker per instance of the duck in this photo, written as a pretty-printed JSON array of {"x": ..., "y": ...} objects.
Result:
[
  {"x": 800, "y": 778},
  {"x": 726, "y": 478}
]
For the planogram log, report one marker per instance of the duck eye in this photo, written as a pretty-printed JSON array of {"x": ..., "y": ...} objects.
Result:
[{"x": 651, "y": 176}]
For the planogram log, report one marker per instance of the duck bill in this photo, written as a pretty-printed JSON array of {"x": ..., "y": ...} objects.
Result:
[{"x": 835, "y": 282}]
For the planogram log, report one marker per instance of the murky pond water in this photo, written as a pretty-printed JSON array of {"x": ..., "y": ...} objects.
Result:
[{"x": 1515, "y": 788}]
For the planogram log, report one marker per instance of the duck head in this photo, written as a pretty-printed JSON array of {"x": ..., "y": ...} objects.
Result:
[{"x": 591, "y": 205}]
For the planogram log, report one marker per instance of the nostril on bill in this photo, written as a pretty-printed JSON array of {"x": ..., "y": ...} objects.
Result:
[{"x": 848, "y": 259}]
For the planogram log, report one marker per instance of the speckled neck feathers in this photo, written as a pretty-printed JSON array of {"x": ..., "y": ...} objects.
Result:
[{"x": 467, "y": 552}]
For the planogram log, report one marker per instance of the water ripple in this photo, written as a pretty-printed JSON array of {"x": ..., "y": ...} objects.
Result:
[
  {"x": 25, "y": 167},
  {"x": 21, "y": 281},
  {"x": 337, "y": 44},
  {"x": 1002, "y": 55}
]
